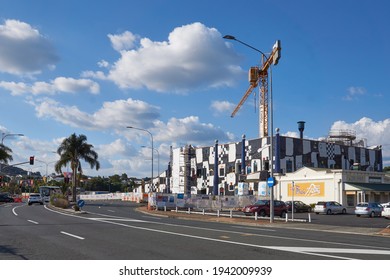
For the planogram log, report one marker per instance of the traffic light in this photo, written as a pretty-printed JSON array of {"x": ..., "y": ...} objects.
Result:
[{"x": 32, "y": 160}]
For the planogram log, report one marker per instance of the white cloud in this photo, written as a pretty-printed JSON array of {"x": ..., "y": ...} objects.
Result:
[
  {"x": 354, "y": 92},
  {"x": 23, "y": 50},
  {"x": 221, "y": 107},
  {"x": 60, "y": 84},
  {"x": 193, "y": 57},
  {"x": 122, "y": 42},
  {"x": 190, "y": 130},
  {"x": 376, "y": 132},
  {"x": 114, "y": 115}
]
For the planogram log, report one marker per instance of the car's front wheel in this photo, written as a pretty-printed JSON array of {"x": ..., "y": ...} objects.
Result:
[{"x": 328, "y": 212}]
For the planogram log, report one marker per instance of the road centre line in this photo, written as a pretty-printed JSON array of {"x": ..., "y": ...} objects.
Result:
[
  {"x": 34, "y": 222},
  {"x": 72, "y": 235},
  {"x": 253, "y": 228}
]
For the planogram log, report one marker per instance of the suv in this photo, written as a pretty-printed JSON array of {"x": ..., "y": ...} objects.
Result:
[
  {"x": 35, "y": 198},
  {"x": 262, "y": 208},
  {"x": 329, "y": 207}
]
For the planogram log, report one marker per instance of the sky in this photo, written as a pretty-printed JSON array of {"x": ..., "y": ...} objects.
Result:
[{"x": 97, "y": 67}]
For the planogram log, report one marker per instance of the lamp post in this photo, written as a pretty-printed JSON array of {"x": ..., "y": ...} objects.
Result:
[
  {"x": 158, "y": 160},
  {"x": 151, "y": 137},
  {"x": 230, "y": 37},
  {"x": 4, "y": 135}
]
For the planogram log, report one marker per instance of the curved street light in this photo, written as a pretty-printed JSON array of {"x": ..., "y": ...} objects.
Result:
[
  {"x": 151, "y": 136},
  {"x": 4, "y": 135}
]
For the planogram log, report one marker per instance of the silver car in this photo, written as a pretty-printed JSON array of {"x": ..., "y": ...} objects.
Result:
[
  {"x": 329, "y": 207},
  {"x": 370, "y": 209}
]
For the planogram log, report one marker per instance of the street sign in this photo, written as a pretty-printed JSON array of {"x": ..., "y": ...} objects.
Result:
[
  {"x": 271, "y": 182},
  {"x": 81, "y": 203}
]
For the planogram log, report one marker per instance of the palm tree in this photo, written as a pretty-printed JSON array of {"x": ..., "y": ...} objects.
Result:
[
  {"x": 72, "y": 150},
  {"x": 5, "y": 154}
]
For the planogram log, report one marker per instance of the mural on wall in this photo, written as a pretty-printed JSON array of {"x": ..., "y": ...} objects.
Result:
[{"x": 307, "y": 189}]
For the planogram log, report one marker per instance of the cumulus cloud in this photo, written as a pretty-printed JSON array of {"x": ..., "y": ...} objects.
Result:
[
  {"x": 122, "y": 42},
  {"x": 193, "y": 57},
  {"x": 23, "y": 50},
  {"x": 60, "y": 84},
  {"x": 377, "y": 132},
  {"x": 114, "y": 115},
  {"x": 190, "y": 130}
]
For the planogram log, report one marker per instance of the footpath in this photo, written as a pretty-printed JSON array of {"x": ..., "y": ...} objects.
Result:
[{"x": 277, "y": 223}]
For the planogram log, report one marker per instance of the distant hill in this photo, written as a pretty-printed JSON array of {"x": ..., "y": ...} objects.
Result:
[{"x": 14, "y": 171}]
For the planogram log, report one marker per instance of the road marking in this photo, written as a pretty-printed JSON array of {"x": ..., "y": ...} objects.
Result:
[
  {"x": 112, "y": 211},
  {"x": 72, "y": 235},
  {"x": 252, "y": 228},
  {"x": 34, "y": 222}
]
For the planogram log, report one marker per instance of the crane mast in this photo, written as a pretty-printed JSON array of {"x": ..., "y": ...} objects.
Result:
[{"x": 259, "y": 76}]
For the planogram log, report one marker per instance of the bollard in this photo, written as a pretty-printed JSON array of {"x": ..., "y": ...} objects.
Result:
[
  {"x": 218, "y": 213},
  {"x": 231, "y": 213},
  {"x": 287, "y": 217},
  {"x": 203, "y": 212},
  {"x": 189, "y": 210},
  {"x": 255, "y": 216},
  {"x": 176, "y": 209},
  {"x": 165, "y": 208},
  {"x": 309, "y": 217}
]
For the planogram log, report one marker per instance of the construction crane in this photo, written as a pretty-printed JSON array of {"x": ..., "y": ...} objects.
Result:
[{"x": 259, "y": 76}]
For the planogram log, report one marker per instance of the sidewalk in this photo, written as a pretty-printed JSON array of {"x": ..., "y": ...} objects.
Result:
[{"x": 279, "y": 223}]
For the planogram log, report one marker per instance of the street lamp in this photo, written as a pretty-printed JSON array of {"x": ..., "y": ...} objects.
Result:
[
  {"x": 230, "y": 37},
  {"x": 4, "y": 135},
  {"x": 158, "y": 161},
  {"x": 151, "y": 137}
]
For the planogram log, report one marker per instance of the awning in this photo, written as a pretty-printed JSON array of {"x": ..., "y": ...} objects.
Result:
[{"x": 375, "y": 187}]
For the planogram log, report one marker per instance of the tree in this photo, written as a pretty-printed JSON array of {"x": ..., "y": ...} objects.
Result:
[
  {"x": 72, "y": 150},
  {"x": 5, "y": 154}
]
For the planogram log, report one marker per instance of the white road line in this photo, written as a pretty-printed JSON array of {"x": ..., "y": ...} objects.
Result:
[
  {"x": 252, "y": 228},
  {"x": 72, "y": 235},
  {"x": 112, "y": 211},
  {"x": 34, "y": 222}
]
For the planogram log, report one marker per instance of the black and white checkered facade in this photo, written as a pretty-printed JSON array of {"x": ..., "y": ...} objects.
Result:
[{"x": 192, "y": 168}]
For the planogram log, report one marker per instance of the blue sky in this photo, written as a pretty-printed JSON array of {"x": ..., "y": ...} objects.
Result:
[{"x": 95, "y": 67}]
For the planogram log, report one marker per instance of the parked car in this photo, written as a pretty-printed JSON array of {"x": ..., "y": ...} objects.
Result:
[
  {"x": 329, "y": 207},
  {"x": 385, "y": 204},
  {"x": 299, "y": 206},
  {"x": 370, "y": 209},
  {"x": 4, "y": 197},
  {"x": 35, "y": 198},
  {"x": 386, "y": 212},
  {"x": 262, "y": 208}
]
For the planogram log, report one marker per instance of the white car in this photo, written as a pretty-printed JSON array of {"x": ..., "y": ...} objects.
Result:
[
  {"x": 386, "y": 212},
  {"x": 329, "y": 207},
  {"x": 385, "y": 204},
  {"x": 35, "y": 198}
]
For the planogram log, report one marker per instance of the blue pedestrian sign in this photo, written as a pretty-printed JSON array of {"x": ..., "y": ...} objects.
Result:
[
  {"x": 81, "y": 203},
  {"x": 271, "y": 182}
]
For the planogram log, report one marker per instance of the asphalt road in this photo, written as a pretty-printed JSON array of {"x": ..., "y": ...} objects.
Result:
[{"x": 116, "y": 231}]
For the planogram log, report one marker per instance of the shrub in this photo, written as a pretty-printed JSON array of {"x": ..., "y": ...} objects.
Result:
[{"x": 59, "y": 200}]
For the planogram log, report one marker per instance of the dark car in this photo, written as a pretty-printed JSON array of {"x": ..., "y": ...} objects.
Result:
[
  {"x": 299, "y": 206},
  {"x": 262, "y": 208},
  {"x": 5, "y": 198}
]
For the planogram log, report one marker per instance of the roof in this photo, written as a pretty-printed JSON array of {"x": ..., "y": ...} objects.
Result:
[{"x": 371, "y": 186}]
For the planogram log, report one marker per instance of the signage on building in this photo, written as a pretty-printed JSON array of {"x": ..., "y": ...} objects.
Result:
[{"x": 306, "y": 189}]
